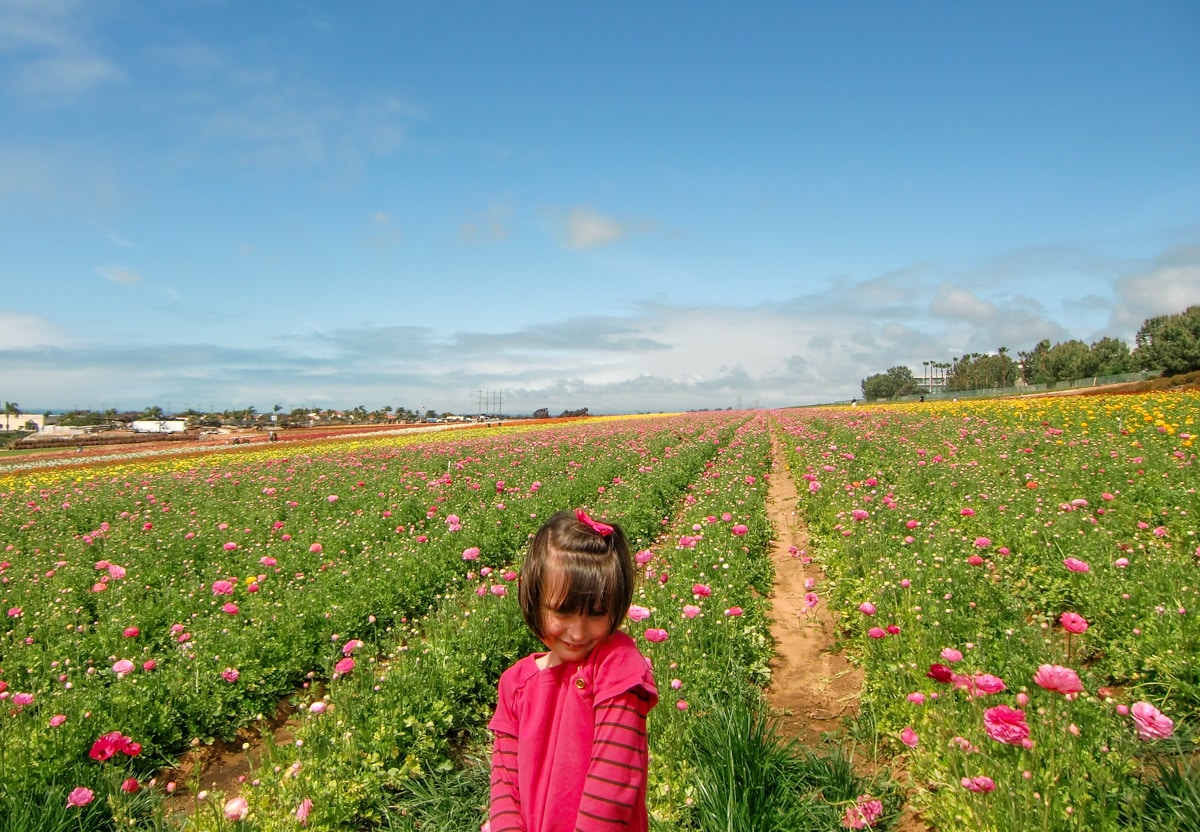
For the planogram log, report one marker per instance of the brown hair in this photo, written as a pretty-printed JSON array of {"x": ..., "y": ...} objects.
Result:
[{"x": 597, "y": 569}]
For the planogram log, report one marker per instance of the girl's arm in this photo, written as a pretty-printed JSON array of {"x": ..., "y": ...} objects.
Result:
[
  {"x": 616, "y": 778},
  {"x": 505, "y": 807}
]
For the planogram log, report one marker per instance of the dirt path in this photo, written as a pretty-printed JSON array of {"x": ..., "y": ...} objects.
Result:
[{"x": 812, "y": 687}]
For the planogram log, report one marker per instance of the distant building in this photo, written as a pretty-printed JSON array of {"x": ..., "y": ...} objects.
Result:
[
  {"x": 158, "y": 426},
  {"x": 25, "y": 421}
]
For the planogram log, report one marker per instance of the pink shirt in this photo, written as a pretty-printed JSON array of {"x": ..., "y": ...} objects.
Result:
[{"x": 570, "y": 750}]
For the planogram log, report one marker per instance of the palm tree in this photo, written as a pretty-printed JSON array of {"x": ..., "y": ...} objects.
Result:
[{"x": 11, "y": 409}]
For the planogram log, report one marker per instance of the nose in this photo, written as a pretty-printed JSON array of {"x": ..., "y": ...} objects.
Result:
[{"x": 575, "y": 629}]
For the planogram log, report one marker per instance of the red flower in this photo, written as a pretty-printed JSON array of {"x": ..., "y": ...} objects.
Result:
[{"x": 940, "y": 673}]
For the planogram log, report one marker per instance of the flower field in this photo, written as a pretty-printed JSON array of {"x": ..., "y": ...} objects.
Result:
[{"x": 1019, "y": 581}]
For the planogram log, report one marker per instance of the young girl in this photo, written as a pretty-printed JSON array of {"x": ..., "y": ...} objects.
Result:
[{"x": 570, "y": 723}]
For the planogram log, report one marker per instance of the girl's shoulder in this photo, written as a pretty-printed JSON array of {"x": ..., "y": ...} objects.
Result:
[{"x": 618, "y": 666}]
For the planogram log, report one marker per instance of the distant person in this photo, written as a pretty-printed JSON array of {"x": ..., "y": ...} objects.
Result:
[
  {"x": 570, "y": 723},
  {"x": 854, "y": 402}
]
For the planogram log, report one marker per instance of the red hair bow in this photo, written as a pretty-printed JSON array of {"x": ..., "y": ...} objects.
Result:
[{"x": 602, "y": 529}]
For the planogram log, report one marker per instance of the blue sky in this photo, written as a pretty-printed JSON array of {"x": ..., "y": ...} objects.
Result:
[{"x": 621, "y": 206}]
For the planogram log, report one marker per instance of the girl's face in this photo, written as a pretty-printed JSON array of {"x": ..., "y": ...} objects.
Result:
[{"x": 570, "y": 637}]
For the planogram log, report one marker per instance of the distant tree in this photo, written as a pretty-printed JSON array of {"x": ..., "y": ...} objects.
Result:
[
  {"x": 1170, "y": 343},
  {"x": 1112, "y": 357},
  {"x": 11, "y": 409},
  {"x": 898, "y": 381},
  {"x": 152, "y": 412},
  {"x": 542, "y": 413},
  {"x": 1032, "y": 363},
  {"x": 583, "y": 411}
]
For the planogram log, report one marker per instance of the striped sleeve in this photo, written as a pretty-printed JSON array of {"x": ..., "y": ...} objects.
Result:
[
  {"x": 504, "y": 811},
  {"x": 616, "y": 778}
]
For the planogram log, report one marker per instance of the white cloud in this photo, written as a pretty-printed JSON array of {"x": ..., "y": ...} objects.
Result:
[
  {"x": 119, "y": 274},
  {"x": 959, "y": 304},
  {"x": 19, "y": 332},
  {"x": 583, "y": 227},
  {"x": 1169, "y": 286},
  {"x": 48, "y": 46},
  {"x": 492, "y": 225}
]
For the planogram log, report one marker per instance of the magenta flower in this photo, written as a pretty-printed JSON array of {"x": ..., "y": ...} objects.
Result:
[
  {"x": 1076, "y": 565},
  {"x": 1058, "y": 679},
  {"x": 222, "y": 588},
  {"x": 643, "y": 557},
  {"x": 909, "y": 737},
  {"x": 740, "y": 529},
  {"x": 811, "y": 599},
  {"x": 130, "y": 785},
  {"x": 637, "y": 613},
  {"x": 701, "y": 590},
  {"x": 866, "y": 608},
  {"x": 230, "y": 546},
  {"x": 656, "y": 635},
  {"x": 230, "y": 674},
  {"x": 1151, "y": 723},
  {"x": 344, "y": 666},
  {"x": 877, "y": 632},
  {"x": 230, "y": 608},
  {"x": 979, "y": 783},
  {"x": 79, "y": 796},
  {"x": 131, "y": 632},
  {"x": 1073, "y": 622},
  {"x": 734, "y": 611},
  {"x": 1006, "y": 725},
  {"x": 986, "y": 683}
]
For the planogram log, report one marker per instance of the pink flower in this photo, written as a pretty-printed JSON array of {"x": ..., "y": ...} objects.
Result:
[
  {"x": 866, "y": 608},
  {"x": 116, "y": 572},
  {"x": 344, "y": 666},
  {"x": 1073, "y": 622},
  {"x": 917, "y": 698},
  {"x": 811, "y": 599},
  {"x": 333, "y": 498},
  {"x": 701, "y": 590},
  {"x": 656, "y": 635},
  {"x": 637, "y": 613},
  {"x": 499, "y": 590},
  {"x": 22, "y": 700},
  {"x": 149, "y": 665},
  {"x": 643, "y": 557},
  {"x": 983, "y": 542},
  {"x": 471, "y": 553},
  {"x": 1076, "y": 565},
  {"x": 230, "y": 546},
  {"x": 865, "y": 812},
  {"x": 967, "y": 512},
  {"x": 79, "y": 796},
  {"x": 131, "y": 632},
  {"x": 985, "y": 683},
  {"x": 1151, "y": 723},
  {"x": 877, "y": 632},
  {"x": 350, "y": 646},
  {"x": 316, "y": 548},
  {"x": 951, "y": 655},
  {"x": 734, "y": 611},
  {"x": 267, "y": 560},
  {"x": 740, "y": 529},
  {"x": 975, "y": 560},
  {"x": 122, "y": 668},
  {"x": 858, "y": 515},
  {"x": 112, "y": 742},
  {"x": 236, "y": 808},
  {"x": 57, "y": 720},
  {"x": 682, "y": 705},
  {"x": 909, "y": 737},
  {"x": 979, "y": 783},
  {"x": 130, "y": 785},
  {"x": 222, "y": 588},
  {"x": 317, "y": 707},
  {"x": 230, "y": 674},
  {"x": 230, "y": 608},
  {"x": 1005, "y": 724},
  {"x": 690, "y": 610},
  {"x": 1058, "y": 679},
  {"x": 302, "y": 811}
]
